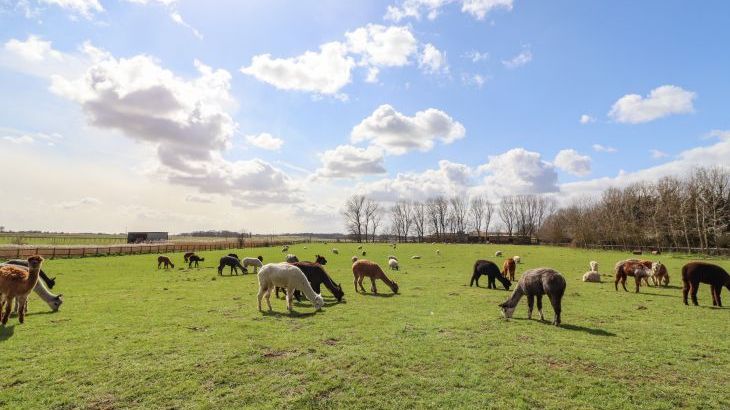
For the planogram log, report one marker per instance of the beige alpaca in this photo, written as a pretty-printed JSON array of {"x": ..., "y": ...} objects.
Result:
[{"x": 16, "y": 282}]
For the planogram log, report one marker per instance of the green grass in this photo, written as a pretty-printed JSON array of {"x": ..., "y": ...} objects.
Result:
[{"x": 129, "y": 335}]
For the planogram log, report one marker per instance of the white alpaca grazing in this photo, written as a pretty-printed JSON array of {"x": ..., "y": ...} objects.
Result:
[
  {"x": 593, "y": 265},
  {"x": 592, "y": 276},
  {"x": 255, "y": 262},
  {"x": 284, "y": 275},
  {"x": 335, "y": 251},
  {"x": 498, "y": 253},
  {"x": 516, "y": 259},
  {"x": 393, "y": 264}
]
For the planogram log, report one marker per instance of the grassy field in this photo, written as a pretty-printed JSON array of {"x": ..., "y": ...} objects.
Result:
[{"x": 129, "y": 335}]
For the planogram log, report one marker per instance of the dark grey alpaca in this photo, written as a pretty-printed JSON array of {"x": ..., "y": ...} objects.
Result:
[{"x": 537, "y": 282}]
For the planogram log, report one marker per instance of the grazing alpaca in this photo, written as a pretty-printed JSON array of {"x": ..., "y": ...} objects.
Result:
[
  {"x": 335, "y": 251},
  {"x": 359, "y": 247},
  {"x": 517, "y": 259},
  {"x": 491, "y": 271},
  {"x": 363, "y": 268},
  {"x": 508, "y": 268},
  {"x": 393, "y": 264},
  {"x": 49, "y": 282},
  {"x": 364, "y": 253},
  {"x": 195, "y": 259},
  {"x": 255, "y": 262},
  {"x": 291, "y": 258},
  {"x": 593, "y": 265},
  {"x": 321, "y": 260},
  {"x": 40, "y": 289},
  {"x": 316, "y": 275},
  {"x": 632, "y": 267},
  {"x": 285, "y": 275},
  {"x": 695, "y": 273},
  {"x": 234, "y": 264},
  {"x": 187, "y": 256},
  {"x": 233, "y": 255},
  {"x": 659, "y": 274},
  {"x": 392, "y": 257},
  {"x": 164, "y": 260},
  {"x": 285, "y": 248},
  {"x": 17, "y": 282},
  {"x": 354, "y": 259},
  {"x": 592, "y": 276},
  {"x": 537, "y": 282},
  {"x": 394, "y": 245},
  {"x": 498, "y": 253},
  {"x": 416, "y": 257}
]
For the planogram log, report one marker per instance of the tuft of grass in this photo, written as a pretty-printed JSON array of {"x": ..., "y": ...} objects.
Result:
[{"x": 131, "y": 336}]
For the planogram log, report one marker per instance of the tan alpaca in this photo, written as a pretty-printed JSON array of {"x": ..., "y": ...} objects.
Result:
[{"x": 16, "y": 282}]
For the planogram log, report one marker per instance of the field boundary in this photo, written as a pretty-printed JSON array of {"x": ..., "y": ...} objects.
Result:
[
  {"x": 647, "y": 248},
  {"x": 19, "y": 252}
]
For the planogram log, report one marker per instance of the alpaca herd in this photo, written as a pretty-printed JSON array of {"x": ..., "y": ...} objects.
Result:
[{"x": 294, "y": 277}]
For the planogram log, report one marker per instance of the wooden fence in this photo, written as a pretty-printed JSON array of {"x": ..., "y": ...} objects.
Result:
[
  {"x": 22, "y": 252},
  {"x": 649, "y": 249}
]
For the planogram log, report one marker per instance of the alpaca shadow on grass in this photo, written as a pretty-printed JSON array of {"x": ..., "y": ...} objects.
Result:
[
  {"x": 378, "y": 295},
  {"x": 327, "y": 303},
  {"x": 45, "y": 312},
  {"x": 710, "y": 307},
  {"x": 293, "y": 314},
  {"x": 592, "y": 331},
  {"x": 6, "y": 332},
  {"x": 659, "y": 294}
]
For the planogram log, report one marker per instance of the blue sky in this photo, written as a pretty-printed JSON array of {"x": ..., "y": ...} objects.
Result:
[{"x": 278, "y": 121}]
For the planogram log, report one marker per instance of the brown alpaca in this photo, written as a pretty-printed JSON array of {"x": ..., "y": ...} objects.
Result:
[
  {"x": 508, "y": 269},
  {"x": 164, "y": 260},
  {"x": 16, "y": 282},
  {"x": 187, "y": 256},
  {"x": 363, "y": 268},
  {"x": 695, "y": 273},
  {"x": 632, "y": 267}
]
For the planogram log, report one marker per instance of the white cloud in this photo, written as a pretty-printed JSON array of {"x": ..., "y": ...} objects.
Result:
[
  {"x": 348, "y": 161},
  {"x": 603, "y": 148},
  {"x": 477, "y": 56},
  {"x": 480, "y": 8},
  {"x": 586, "y": 119},
  {"x": 449, "y": 179},
  {"x": 22, "y": 139},
  {"x": 177, "y": 18},
  {"x": 265, "y": 141},
  {"x": 657, "y": 154},
  {"x": 661, "y": 102},
  {"x": 432, "y": 60},
  {"x": 519, "y": 171},
  {"x": 414, "y": 8},
  {"x": 87, "y": 201},
  {"x": 323, "y": 72},
  {"x": 382, "y": 46},
  {"x": 397, "y": 133},
  {"x": 722, "y": 134},
  {"x": 33, "y": 49},
  {"x": 85, "y": 8},
  {"x": 185, "y": 121},
  {"x": 477, "y": 80},
  {"x": 519, "y": 60},
  {"x": 569, "y": 160}
]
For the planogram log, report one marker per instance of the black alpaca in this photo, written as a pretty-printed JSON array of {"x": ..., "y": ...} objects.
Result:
[
  {"x": 50, "y": 282},
  {"x": 316, "y": 276},
  {"x": 491, "y": 271},
  {"x": 321, "y": 260},
  {"x": 194, "y": 259},
  {"x": 233, "y": 262},
  {"x": 234, "y": 256},
  {"x": 695, "y": 273}
]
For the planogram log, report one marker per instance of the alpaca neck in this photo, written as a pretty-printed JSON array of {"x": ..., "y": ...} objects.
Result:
[
  {"x": 33, "y": 275},
  {"x": 43, "y": 292},
  {"x": 388, "y": 282},
  {"x": 515, "y": 297},
  {"x": 308, "y": 291},
  {"x": 329, "y": 283}
]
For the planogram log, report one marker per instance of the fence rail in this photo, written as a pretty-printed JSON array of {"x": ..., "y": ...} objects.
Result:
[
  {"x": 18, "y": 252},
  {"x": 649, "y": 249}
]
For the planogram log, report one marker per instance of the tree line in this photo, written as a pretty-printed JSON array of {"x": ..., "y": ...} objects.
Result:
[
  {"x": 444, "y": 219},
  {"x": 679, "y": 212}
]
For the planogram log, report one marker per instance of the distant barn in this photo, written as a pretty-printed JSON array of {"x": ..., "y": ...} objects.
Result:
[{"x": 139, "y": 237}]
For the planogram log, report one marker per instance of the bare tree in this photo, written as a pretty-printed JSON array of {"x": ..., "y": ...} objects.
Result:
[
  {"x": 507, "y": 212},
  {"x": 459, "y": 214},
  {"x": 419, "y": 219},
  {"x": 354, "y": 214},
  {"x": 370, "y": 210},
  {"x": 476, "y": 213}
]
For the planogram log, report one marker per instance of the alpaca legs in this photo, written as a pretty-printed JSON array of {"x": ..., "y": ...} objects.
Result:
[
  {"x": 22, "y": 303},
  {"x": 259, "y": 296},
  {"x": 685, "y": 292},
  {"x": 638, "y": 283},
  {"x": 718, "y": 291},
  {"x": 693, "y": 288},
  {"x": 474, "y": 278},
  {"x": 555, "y": 301},
  {"x": 530, "y": 304},
  {"x": 267, "y": 295},
  {"x": 539, "y": 307},
  {"x": 373, "y": 288},
  {"x": 289, "y": 297},
  {"x": 354, "y": 282},
  {"x": 6, "y": 314},
  {"x": 359, "y": 282}
]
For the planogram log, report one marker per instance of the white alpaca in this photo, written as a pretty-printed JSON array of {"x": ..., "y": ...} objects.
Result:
[
  {"x": 392, "y": 257},
  {"x": 593, "y": 265},
  {"x": 291, "y": 258},
  {"x": 287, "y": 276},
  {"x": 498, "y": 253},
  {"x": 592, "y": 276},
  {"x": 415, "y": 257},
  {"x": 516, "y": 259},
  {"x": 393, "y": 264},
  {"x": 335, "y": 251},
  {"x": 255, "y": 262}
]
